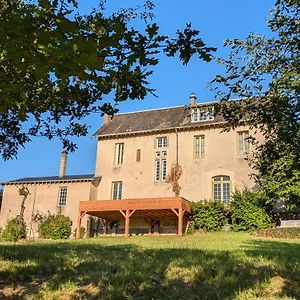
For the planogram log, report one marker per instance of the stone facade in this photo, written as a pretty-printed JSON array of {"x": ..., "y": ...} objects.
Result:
[
  {"x": 42, "y": 199},
  {"x": 220, "y": 157},
  {"x": 135, "y": 153}
]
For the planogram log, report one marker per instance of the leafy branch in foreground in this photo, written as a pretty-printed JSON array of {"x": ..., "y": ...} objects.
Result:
[
  {"x": 57, "y": 66},
  {"x": 264, "y": 72}
]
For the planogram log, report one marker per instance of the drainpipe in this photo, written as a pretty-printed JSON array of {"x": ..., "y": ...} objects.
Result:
[{"x": 176, "y": 132}]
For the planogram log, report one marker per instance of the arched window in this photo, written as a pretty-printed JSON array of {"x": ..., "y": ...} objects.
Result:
[{"x": 221, "y": 188}]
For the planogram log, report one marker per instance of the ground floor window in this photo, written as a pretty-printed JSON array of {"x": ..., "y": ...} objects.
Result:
[
  {"x": 221, "y": 188},
  {"x": 116, "y": 191}
]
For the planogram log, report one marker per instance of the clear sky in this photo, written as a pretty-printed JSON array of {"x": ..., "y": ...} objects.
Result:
[{"x": 216, "y": 19}]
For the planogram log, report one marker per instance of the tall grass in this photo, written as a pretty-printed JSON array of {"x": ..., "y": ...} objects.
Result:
[{"x": 213, "y": 266}]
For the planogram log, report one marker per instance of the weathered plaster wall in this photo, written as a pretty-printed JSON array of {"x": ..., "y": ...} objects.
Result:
[
  {"x": 221, "y": 158},
  {"x": 43, "y": 197}
]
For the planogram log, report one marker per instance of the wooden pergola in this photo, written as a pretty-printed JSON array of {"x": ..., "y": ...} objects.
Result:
[{"x": 149, "y": 209}]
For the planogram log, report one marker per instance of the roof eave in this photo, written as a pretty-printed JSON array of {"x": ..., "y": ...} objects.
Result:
[
  {"x": 182, "y": 128},
  {"x": 47, "y": 181}
]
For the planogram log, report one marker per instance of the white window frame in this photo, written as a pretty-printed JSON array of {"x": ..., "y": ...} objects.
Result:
[
  {"x": 116, "y": 190},
  {"x": 161, "y": 142},
  {"x": 157, "y": 169},
  {"x": 243, "y": 143},
  {"x": 62, "y": 196},
  {"x": 202, "y": 114},
  {"x": 160, "y": 167},
  {"x": 199, "y": 146},
  {"x": 119, "y": 153},
  {"x": 222, "y": 185}
]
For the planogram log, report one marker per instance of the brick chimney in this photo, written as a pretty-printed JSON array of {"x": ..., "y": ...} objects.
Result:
[
  {"x": 193, "y": 99},
  {"x": 63, "y": 164}
]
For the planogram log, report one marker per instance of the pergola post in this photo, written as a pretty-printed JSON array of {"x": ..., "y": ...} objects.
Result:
[
  {"x": 149, "y": 223},
  {"x": 127, "y": 222},
  {"x": 179, "y": 214},
  {"x": 180, "y": 221},
  {"x": 80, "y": 216},
  {"x": 78, "y": 225},
  {"x": 106, "y": 224}
]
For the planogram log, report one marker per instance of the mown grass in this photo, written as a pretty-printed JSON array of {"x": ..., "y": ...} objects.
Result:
[{"x": 213, "y": 266}]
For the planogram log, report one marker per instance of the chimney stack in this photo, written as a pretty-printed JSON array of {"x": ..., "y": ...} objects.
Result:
[
  {"x": 106, "y": 119},
  {"x": 193, "y": 99},
  {"x": 63, "y": 164}
]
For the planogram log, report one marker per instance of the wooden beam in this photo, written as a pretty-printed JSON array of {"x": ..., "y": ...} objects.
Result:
[
  {"x": 132, "y": 212},
  {"x": 127, "y": 222},
  {"x": 78, "y": 225},
  {"x": 149, "y": 222},
  {"x": 175, "y": 212},
  {"x": 122, "y": 212},
  {"x": 180, "y": 221},
  {"x": 106, "y": 224},
  {"x": 139, "y": 204},
  {"x": 153, "y": 224},
  {"x": 81, "y": 214}
]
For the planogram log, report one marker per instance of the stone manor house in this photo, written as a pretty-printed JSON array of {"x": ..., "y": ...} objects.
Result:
[{"x": 135, "y": 153}]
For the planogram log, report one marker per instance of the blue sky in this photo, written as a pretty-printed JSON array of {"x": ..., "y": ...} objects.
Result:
[{"x": 216, "y": 20}]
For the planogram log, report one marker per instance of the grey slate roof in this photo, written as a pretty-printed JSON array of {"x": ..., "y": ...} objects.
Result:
[
  {"x": 84, "y": 177},
  {"x": 153, "y": 120}
]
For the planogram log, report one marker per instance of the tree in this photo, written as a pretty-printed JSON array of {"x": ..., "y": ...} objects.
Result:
[
  {"x": 57, "y": 65},
  {"x": 264, "y": 72}
]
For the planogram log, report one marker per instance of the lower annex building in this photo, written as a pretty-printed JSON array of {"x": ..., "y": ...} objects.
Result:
[{"x": 135, "y": 154}]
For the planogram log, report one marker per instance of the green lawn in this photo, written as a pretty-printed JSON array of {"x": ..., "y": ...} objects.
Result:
[{"x": 213, "y": 266}]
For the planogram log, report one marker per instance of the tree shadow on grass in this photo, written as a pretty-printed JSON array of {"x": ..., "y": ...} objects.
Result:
[
  {"x": 287, "y": 257},
  {"x": 96, "y": 271}
]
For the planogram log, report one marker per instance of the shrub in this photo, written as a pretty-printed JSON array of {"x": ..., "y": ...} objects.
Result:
[
  {"x": 280, "y": 232},
  {"x": 247, "y": 214},
  {"x": 15, "y": 229},
  {"x": 208, "y": 215},
  {"x": 55, "y": 227}
]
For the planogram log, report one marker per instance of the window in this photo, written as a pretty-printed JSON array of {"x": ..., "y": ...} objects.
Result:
[
  {"x": 243, "y": 143},
  {"x": 160, "y": 166},
  {"x": 119, "y": 153},
  {"x": 161, "y": 142},
  {"x": 62, "y": 196},
  {"x": 202, "y": 114},
  {"x": 157, "y": 169},
  {"x": 138, "y": 155},
  {"x": 199, "y": 146},
  {"x": 116, "y": 191},
  {"x": 164, "y": 169},
  {"x": 221, "y": 188}
]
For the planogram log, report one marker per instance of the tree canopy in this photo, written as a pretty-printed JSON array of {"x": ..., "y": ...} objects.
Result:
[
  {"x": 57, "y": 65},
  {"x": 265, "y": 73}
]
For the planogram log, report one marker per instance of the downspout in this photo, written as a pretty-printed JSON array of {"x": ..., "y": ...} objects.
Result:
[{"x": 176, "y": 132}]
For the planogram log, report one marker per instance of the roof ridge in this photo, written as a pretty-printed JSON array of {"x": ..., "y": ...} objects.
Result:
[
  {"x": 163, "y": 108},
  {"x": 151, "y": 109}
]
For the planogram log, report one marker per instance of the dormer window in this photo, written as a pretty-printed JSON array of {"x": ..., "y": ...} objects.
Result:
[{"x": 202, "y": 114}]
